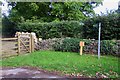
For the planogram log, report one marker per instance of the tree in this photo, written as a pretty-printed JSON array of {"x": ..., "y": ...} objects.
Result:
[
  {"x": 8, "y": 27},
  {"x": 48, "y": 12}
]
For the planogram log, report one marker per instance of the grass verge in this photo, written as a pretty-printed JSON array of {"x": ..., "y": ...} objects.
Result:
[{"x": 68, "y": 63}]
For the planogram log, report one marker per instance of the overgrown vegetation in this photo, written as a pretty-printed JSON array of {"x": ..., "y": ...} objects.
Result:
[
  {"x": 8, "y": 27},
  {"x": 68, "y": 63},
  {"x": 53, "y": 29},
  {"x": 51, "y": 11},
  {"x": 109, "y": 27},
  {"x": 108, "y": 47},
  {"x": 58, "y": 15},
  {"x": 76, "y": 29}
]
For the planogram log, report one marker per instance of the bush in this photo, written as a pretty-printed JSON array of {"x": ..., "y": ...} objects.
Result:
[
  {"x": 108, "y": 47},
  {"x": 109, "y": 27},
  {"x": 53, "y": 29},
  {"x": 70, "y": 45}
]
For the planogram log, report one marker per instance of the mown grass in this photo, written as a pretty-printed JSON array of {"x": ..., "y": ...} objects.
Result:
[{"x": 68, "y": 63}]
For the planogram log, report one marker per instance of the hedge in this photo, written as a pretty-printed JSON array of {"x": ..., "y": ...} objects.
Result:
[
  {"x": 109, "y": 27},
  {"x": 108, "y": 47},
  {"x": 53, "y": 29}
]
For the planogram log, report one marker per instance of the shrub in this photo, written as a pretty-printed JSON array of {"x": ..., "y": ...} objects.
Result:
[
  {"x": 109, "y": 27},
  {"x": 70, "y": 45},
  {"x": 53, "y": 29},
  {"x": 108, "y": 47}
]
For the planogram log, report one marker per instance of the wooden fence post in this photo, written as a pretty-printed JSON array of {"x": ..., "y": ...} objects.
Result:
[
  {"x": 18, "y": 43},
  {"x": 30, "y": 47},
  {"x": 32, "y": 43}
]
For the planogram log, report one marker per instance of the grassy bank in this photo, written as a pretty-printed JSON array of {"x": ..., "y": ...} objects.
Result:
[{"x": 68, "y": 63}]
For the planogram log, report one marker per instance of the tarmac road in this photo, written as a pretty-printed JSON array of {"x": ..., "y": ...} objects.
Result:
[{"x": 26, "y": 73}]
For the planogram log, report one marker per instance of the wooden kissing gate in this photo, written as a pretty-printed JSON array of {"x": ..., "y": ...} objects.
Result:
[{"x": 25, "y": 42}]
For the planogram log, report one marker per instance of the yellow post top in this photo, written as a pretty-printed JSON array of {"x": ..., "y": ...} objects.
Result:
[{"x": 82, "y": 43}]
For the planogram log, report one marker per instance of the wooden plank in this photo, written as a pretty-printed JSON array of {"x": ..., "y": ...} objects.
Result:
[
  {"x": 24, "y": 50},
  {"x": 18, "y": 44},
  {"x": 8, "y": 39},
  {"x": 16, "y": 48},
  {"x": 26, "y": 41},
  {"x": 27, "y": 37},
  {"x": 32, "y": 43},
  {"x": 24, "y": 45},
  {"x": 9, "y": 56}
]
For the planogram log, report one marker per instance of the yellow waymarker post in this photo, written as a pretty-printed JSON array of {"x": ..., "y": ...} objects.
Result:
[{"x": 81, "y": 47}]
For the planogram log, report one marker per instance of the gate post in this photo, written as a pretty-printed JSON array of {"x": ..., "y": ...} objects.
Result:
[
  {"x": 30, "y": 47},
  {"x": 18, "y": 43},
  {"x": 32, "y": 43}
]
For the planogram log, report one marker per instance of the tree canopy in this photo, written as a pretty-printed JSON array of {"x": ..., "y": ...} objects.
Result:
[{"x": 48, "y": 12}]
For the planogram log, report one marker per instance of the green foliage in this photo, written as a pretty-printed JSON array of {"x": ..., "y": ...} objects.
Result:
[
  {"x": 53, "y": 29},
  {"x": 108, "y": 47},
  {"x": 58, "y": 10},
  {"x": 109, "y": 28},
  {"x": 68, "y": 63},
  {"x": 42, "y": 12},
  {"x": 8, "y": 28},
  {"x": 70, "y": 45}
]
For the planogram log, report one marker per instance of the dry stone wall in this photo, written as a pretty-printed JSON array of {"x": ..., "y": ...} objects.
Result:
[
  {"x": 92, "y": 47},
  {"x": 47, "y": 44}
]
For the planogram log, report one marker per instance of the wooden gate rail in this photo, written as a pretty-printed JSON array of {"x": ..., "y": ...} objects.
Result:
[
  {"x": 25, "y": 42},
  {"x": 8, "y": 39},
  {"x": 21, "y": 43}
]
